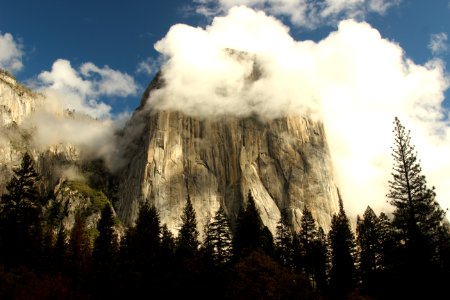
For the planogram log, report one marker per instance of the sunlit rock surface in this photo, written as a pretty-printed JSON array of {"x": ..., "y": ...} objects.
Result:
[{"x": 283, "y": 163}]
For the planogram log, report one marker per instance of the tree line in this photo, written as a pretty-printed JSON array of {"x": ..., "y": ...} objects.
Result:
[{"x": 402, "y": 256}]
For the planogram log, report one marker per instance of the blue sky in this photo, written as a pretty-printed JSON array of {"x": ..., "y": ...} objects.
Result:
[
  {"x": 356, "y": 63},
  {"x": 121, "y": 34}
]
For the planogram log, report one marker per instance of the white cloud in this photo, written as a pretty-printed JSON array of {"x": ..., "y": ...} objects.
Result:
[
  {"x": 10, "y": 53},
  {"x": 304, "y": 13},
  {"x": 148, "y": 66},
  {"x": 79, "y": 90},
  {"x": 354, "y": 79},
  {"x": 111, "y": 82},
  {"x": 438, "y": 43}
]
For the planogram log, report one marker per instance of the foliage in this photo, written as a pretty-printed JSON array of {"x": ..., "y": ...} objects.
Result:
[
  {"x": 218, "y": 238},
  {"x": 418, "y": 218},
  {"x": 342, "y": 243},
  {"x": 187, "y": 241},
  {"x": 20, "y": 216},
  {"x": 284, "y": 241}
]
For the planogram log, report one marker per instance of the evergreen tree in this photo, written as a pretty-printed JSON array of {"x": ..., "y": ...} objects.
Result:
[
  {"x": 248, "y": 235},
  {"x": 418, "y": 218},
  {"x": 284, "y": 241},
  {"x": 218, "y": 238},
  {"x": 320, "y": 260},
  {"x": 140, "y": 253},
  {"x": 105, "y": 254},
  {"x": 342, "y": 243},
  {"x": 370, "y": 245},
  {"x": 187, "y": 241},
  {"x": 20, "y": 217},
  {"x": 307, "y": 237},
  {"x": 79, "y": 251},
  {"x": 106, "y": 244}
]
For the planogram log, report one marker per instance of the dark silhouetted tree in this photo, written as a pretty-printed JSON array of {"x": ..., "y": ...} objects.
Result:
[
  {"x": 218, "y": 238},
  {"x": 188, "y": 236},
  {"x": 79, "y": 251},
  {"x": 140, "y": 253},
  {"x": 369, "y": 239},
  {"x": 342, "y": 246},
  {"x": 21, "y": 217},
  {"x": 105, "y": 254},
  {"x": 308, "y": 236},
  {"x": 248, "y": 235},
  {"x": 284, "y": 248}
]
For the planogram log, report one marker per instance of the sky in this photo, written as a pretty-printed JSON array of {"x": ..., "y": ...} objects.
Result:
[{"x": 355, "y": 64}]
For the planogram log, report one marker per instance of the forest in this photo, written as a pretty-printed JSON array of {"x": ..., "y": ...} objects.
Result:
[{"x": 405, "y": 255}]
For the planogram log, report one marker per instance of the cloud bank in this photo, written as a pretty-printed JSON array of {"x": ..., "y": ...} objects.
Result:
[
  {"x": 303, "y": 13},
  {"x": 10, "y": 53},
  {"x": 80, "y": 90},
  {"x": 73, "y": 112},
  {"x": 354, "y": 79}
]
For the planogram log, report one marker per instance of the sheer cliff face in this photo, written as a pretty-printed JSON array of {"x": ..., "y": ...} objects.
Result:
[{"x": 283, "y": 162}]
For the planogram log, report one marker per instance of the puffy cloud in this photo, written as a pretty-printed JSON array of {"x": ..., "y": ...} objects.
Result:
[
  {"x": 111, "y": 82},
  {"x": 438, "y": 43},
  {"x": 79, "y": 90},
  {"x": 354, "y": 79},
  {"x": 305, "y": 13},
  {"x": 10, "y": 53}
]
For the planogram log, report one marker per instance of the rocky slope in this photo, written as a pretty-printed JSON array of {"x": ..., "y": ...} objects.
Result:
[
  {"x": 53, "y": 164},
  {"x": 284, "y": 163}
]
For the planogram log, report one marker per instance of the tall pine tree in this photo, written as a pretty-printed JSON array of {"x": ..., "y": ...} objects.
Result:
[{"x": 418, "y": 218}]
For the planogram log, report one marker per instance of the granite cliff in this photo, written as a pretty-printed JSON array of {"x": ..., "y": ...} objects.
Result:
[{"x": 284, "y": 162}]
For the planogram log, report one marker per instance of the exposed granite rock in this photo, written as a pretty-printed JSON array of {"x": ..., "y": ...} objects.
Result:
[{"x": 284, "y": 162}]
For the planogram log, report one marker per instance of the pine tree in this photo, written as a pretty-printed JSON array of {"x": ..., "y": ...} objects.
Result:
[
  {"x": 418, "y": 217},
  {"x": 106, "y": 243},
  {"x": 307, "y": 237},
  {"x": 105, "y": 254},
  {"x": 218, "y": 238},
  {"x": 248, "y": 235},
  {"x": 370, "y": 245},
  {"x": 342, "y": 243},
  {"x": 21, "y": 216},
  {"x": 140, "y": 253},
  {"x": 284, "y": 241},
  {"x": 320, "y": 260},
  {"x": 187, "y": 241},
  {"x": 79, "y": 250}
]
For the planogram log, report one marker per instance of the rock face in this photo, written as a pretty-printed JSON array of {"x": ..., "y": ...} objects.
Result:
[{"x": 284, "y": 163}]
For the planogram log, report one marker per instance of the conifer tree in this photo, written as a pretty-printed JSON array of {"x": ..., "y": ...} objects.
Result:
[
  {"x": 188, "y": 236},
  {"x": 79, "y": 250},
  {"x": 105, "y": 254},
  {"x": 21, "y": 216},
  {"x": 218, "y": 238},
  {"x": 248, "y": 235},
  {"x": 307, "y": 237},
  {"x": 284, "y": 241},
  {"x": 106, "y": 243},
  {"x": 320, "y": 260},
  {"x": 418, "y": 217},
  {"x": 371, "y": 247},
  {"x": 342, "y": 243}
]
